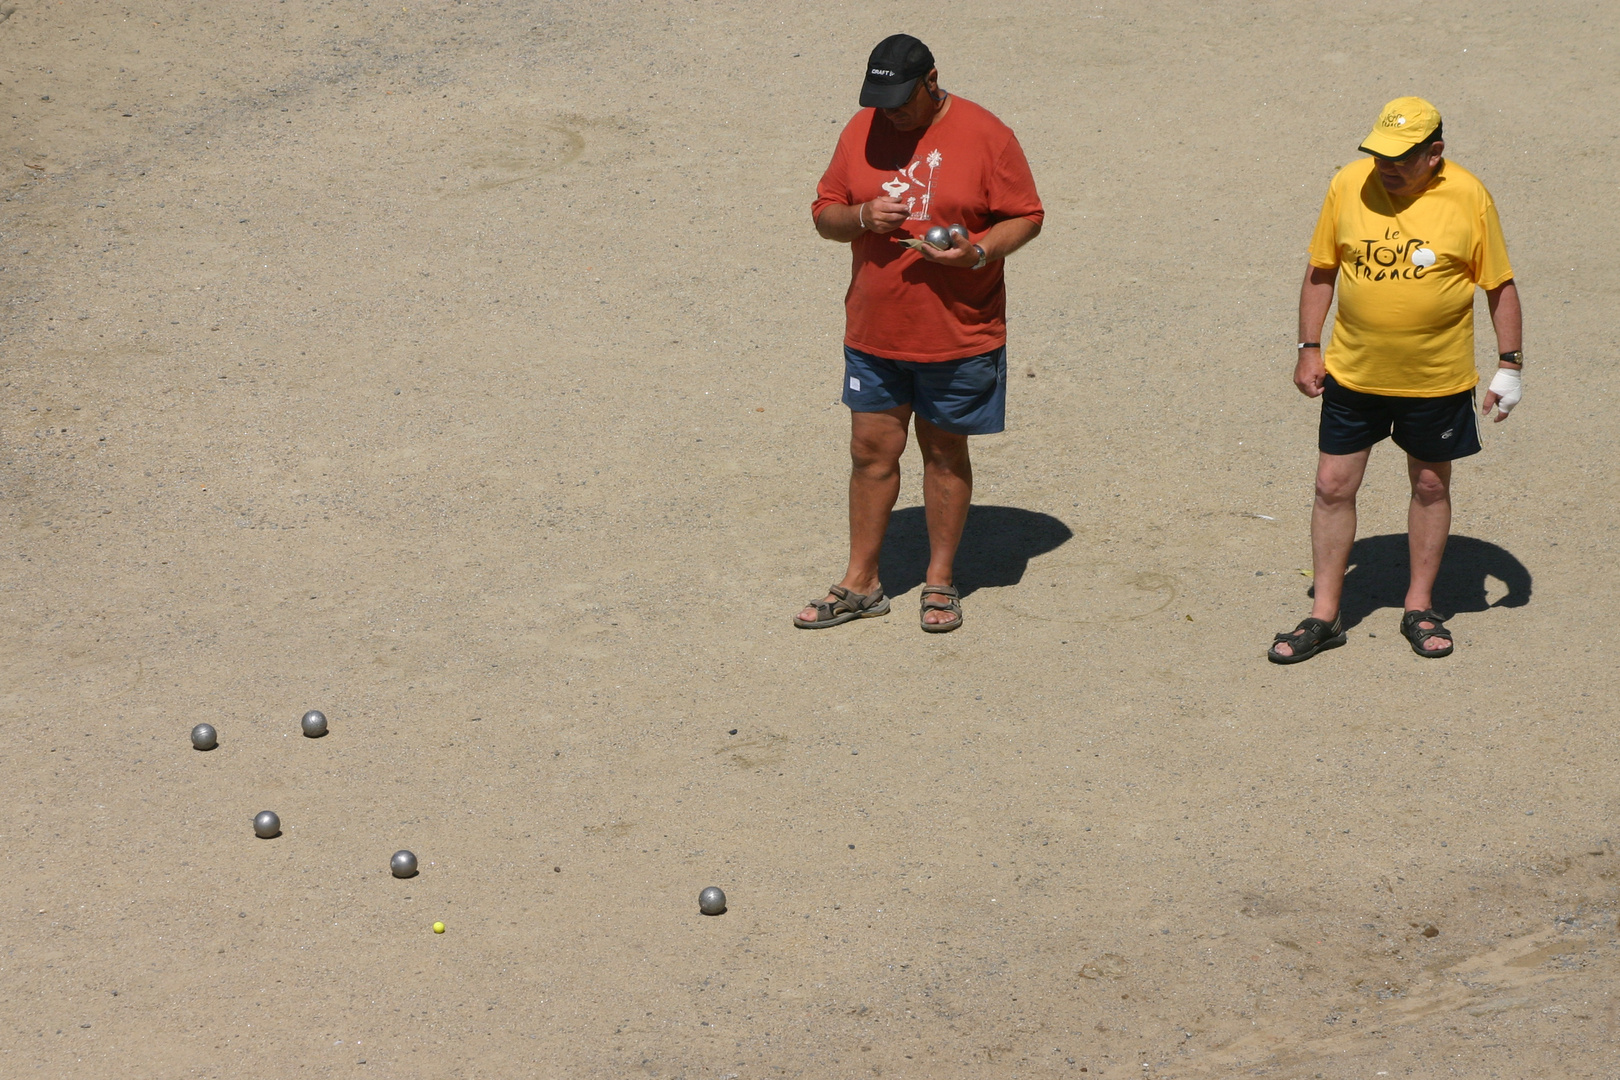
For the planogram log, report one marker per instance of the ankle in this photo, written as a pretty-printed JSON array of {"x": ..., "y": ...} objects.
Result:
[{"x": 863, "y": 585}]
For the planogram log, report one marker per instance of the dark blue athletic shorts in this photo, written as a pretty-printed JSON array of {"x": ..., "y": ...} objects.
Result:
[
  {"x": 1430, "y": 429},
  {"x": 964, "y": 397}
]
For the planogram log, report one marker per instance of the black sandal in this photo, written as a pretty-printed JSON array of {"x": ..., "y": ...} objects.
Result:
[
  {"x": 1307, "y": 639},
  {"x": 1420, "y": 636}
]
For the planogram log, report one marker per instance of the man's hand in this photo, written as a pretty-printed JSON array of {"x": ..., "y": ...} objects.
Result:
[
  {"x": 962, "y": 256},
  {"x": 1309, "y": 372},
  {"x": 845, "y": 222},
  {"x": 1505, "y": 391},
  {"x": 883, "y": 216}
]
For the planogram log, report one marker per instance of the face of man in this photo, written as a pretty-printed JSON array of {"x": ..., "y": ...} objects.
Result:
[
  {"x": 1406, "y": 177},
  {"x": 919, "y": 110}
]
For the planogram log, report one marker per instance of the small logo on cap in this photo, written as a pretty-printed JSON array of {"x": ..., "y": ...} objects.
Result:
[{"x": 881, "y": 71}]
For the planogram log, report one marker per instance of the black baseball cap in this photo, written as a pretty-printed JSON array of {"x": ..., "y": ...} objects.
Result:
[{"x": 892, "y": 71}]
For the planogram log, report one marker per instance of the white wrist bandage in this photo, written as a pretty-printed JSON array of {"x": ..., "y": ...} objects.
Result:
[{"x": 1508, "y": 386}]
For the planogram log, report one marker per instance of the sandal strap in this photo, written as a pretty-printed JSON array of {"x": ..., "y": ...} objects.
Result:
[
  {"x": 848, "y": 600},
  {"x": 829, "y": 609},
  {"x": 1309, "y": 629},
  {"x": 952, "y": 604},
  {"x": 824, "y": 610},
  {"x": 1410, "y": 620}
]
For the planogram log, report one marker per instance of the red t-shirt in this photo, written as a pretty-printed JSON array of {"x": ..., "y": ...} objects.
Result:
[{"x": 966, "y": 168}]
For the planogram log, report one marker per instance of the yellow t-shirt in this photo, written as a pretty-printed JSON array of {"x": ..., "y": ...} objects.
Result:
[{"x": 1407, "y": 272}]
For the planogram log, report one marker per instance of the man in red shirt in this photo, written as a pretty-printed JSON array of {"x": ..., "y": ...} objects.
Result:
[{"x": 926, "y": 335}]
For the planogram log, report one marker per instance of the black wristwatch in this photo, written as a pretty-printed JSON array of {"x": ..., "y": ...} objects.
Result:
[{"x": 1514, "y": 357}]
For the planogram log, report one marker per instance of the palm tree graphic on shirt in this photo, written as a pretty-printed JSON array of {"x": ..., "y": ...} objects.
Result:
[{"x": 907, "y": 179}]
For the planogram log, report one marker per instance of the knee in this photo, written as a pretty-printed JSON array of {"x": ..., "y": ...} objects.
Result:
[
  {"x": 875, "y": 455},
  {"x": 955, "y": 464},
  {"x": 1429, "y": 488},
  {"x": 1336, "y": 490},
  {"x": 949, "y": 454}
]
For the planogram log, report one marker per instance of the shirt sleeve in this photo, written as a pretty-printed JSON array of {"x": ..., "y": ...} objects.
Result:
[
  {"x": 1012, "y": 186},
  {"x": 1325, "y": 240},
  {"x": 1490, "y": 257},
  {"x": 834, "y": 185}
]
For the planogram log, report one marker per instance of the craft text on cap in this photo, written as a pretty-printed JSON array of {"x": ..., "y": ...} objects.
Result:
[
  {"x": 1404, "y": 123},
  {"x": 892, "y": 71}
]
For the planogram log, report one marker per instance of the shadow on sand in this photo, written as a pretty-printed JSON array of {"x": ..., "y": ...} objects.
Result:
[
  {"x": 997, "y": 545},
  {"x": 1378, "y": 570}
]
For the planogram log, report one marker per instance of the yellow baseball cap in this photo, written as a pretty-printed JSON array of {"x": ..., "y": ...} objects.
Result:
[{"x": 1402, "y": 124}]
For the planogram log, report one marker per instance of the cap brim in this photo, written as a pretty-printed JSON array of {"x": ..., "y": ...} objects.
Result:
[
  {"x": 1386, "y": 146},
  {"x": 886, "y": 95}
]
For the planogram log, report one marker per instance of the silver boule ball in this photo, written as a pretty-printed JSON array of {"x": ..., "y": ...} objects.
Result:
[
  {"x": 712, "y": 901},
  {"x": 939, "y": 236},
  {"x": 266, "y": 824},
  {"x": 403, "y": 864},
  {"x": 958, "y": 230},
  {"x": 314, "y": 724},
  {"x": 204, "y": 737}
]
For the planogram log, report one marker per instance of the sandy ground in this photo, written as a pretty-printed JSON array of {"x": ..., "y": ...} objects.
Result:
[{"x": 468, "y": 371}]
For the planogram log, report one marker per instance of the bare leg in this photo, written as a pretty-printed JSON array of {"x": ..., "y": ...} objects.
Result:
[
  {"x": 947, "y": 495},
  {"x": 877, "y": 439},
  {"x": 1333, "y": 530},
  {"x": 1428, "y": 525}
]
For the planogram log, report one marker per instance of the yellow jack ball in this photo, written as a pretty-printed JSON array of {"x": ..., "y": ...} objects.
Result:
[{"x": 438, "y": 928}]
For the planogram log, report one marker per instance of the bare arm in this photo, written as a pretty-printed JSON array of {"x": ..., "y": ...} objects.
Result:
[
  {"x": 1508, "y": 319},
  {"x": 844, "y": 223},
  {"x": 1315, "y": 297},
  {"x": 1006, "y": 237}
]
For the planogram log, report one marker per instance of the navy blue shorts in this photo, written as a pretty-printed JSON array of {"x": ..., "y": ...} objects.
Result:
[
  {"x": 964, "y": 397},
  {"x": 1430, "y": 429}
]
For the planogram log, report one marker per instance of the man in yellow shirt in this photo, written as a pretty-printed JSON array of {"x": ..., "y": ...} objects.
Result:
[{"x": 1407, "y": 236}]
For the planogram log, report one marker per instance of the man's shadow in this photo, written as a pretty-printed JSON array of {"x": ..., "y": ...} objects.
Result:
[
  {"x": 1378, "y": 576},
  {"x": 997, "y": 545}
]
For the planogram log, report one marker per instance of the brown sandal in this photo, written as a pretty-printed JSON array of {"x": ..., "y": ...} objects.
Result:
[
  {"x": 953, "y": 605},
  {"x": 847, "y": 606}
]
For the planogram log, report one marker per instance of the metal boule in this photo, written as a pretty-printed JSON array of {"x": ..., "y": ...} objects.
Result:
[
  {"x": 712, "y": 901},
  {"x": 958, "y": 231},
  {"x": 266, "y": 824},
  {"x": 314, "y": 724},
  {"x": 204, "y": 737},
  {"x": 403, "y": 864},
  {"x": 939, "y": 236}
]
